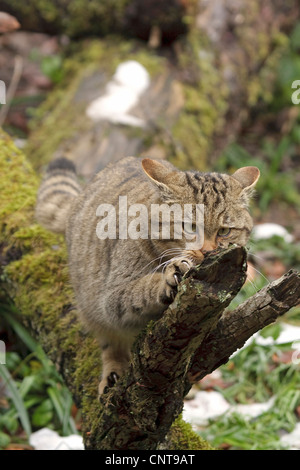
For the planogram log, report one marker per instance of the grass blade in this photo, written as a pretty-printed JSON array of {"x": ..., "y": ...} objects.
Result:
[{"x": 16, "y": 398}]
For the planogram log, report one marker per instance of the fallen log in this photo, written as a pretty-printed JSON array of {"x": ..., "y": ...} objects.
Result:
[{"x": 190, "y": 340}]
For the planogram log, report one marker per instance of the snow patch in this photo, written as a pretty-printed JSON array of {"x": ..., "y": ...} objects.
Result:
[
  {"x": 46, "y": 439},
  {"x": 268, "y": 230},
  {"x": 288, "y": 334},
  {"x": 122, "y": 94},
  {"x": 210, "y": 405},
  {"x": 292, "y": 440}
]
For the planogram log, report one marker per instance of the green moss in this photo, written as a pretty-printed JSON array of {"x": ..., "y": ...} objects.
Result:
[
  {"x": 39, "y": 269},
  {"x": 182, "y": 437},
  {"x": 76, "y": 18},
  {"x": 17, "y": 197},
  {"x": 54, "y": 122},
  {"x": 37, "y": 275},
  {"x": 263, "y": 49},
  {"x": 59, "y": 118},
  {"x": 34, "y": 236},
  {"x": 223, "y": 295},
  {"x": 205, "y": 105},
  {"x": 206, "y": 93}
]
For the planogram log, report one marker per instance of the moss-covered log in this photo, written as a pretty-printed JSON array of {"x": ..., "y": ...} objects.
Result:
[
  {"x": 138, "y": 413},
  {"x": 34, "y": 276},
  {"x": 78, "y": 18},
  {"x": 201, "y": 91}
]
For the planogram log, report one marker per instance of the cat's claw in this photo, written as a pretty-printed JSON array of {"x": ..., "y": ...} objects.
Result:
[
  {"x": 105, "y": 385},
  {"x": 174, "y": 274},
  {"x": 112, "y": 379}
]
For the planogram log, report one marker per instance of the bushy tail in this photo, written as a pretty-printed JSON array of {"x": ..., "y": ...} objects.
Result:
[{"x": 56, "y": 194}]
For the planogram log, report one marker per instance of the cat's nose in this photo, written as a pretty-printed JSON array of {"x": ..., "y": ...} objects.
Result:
[
  {"x": 206, "y": 252},
  {"x": 208, "y": 246}
]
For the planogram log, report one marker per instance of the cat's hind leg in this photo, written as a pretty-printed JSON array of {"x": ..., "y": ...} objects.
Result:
[{"x": 115, "y": 360}]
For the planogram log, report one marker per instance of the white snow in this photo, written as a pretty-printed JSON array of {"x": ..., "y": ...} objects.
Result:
[
  {"x": 268, "y": 230},
  {"x": 292, "y": 440},
  {"x": 208, "y": 405},
  {"x": 123, "y": 92},
  {"x": 204, "y": 406},
  {"x": 46, "y": 439},
  {"x": 288, "y": 334}
]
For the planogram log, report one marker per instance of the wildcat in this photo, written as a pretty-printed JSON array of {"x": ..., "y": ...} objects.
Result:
[{"x": 121, "y": 284}]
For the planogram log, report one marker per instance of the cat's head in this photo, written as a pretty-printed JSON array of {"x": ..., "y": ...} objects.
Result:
[{"x": 225, "y": 199}]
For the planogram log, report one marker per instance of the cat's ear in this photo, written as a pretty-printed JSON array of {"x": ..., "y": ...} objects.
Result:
[
  {"x": 247, "y": 177},
  {"x": 155, "y": 170}
]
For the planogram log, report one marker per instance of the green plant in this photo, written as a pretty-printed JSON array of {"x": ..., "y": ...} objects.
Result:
[
  {"x": 288, "y": 253},
  {"x": 257, "y": 373},
  {"x": 37, "y": 396},
  {"x": 277, "y": 185},
  {"x": 51, "y": 66},
  {"x": 274, "y": 184},
  {"x": 288, "y": 71}
]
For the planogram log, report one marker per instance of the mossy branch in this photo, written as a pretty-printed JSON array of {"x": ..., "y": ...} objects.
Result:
[
  {"x": 100, "y": 17},
  {"x": 140, "y": 411},
  {"x": 34, "y": 276}
]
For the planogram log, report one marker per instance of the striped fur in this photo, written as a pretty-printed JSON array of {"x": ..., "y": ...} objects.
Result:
[
  {"x": 121, "y": 284},
  {"x": 56, "y": 195}
]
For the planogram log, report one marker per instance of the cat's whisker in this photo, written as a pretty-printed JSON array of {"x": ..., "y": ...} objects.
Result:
[
  {"x": 259, "y": 272},
  {"x": 163, "y": 265},
  {"x": 168, "y": 262},
  {"x": 157, "y": 268},
  {"x": 170, "y": 252},
  {"x": 256, "y": 256},
  {"x": 165, "y": 253},
  {"x": 252, "y": 283}
]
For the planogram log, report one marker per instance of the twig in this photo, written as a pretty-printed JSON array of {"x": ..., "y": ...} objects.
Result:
[{"x": 236, "y": 327}]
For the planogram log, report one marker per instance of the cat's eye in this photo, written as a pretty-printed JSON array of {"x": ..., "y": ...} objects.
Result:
[
  {"x": 188, "y": 227},
  {"x": 224, "y": 232}
]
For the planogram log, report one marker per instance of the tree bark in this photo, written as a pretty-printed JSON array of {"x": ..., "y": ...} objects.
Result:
[
  {"x": 190, "y": 340},
  {"x": 139, "y": 411},
  {"x": 236, "y": 327}
]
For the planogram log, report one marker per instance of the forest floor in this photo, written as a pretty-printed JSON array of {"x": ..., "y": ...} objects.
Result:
[{"x": 265, "y": 374}]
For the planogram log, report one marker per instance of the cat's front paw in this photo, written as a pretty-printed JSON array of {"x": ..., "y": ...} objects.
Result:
[{"x": 173, "y": 276}]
